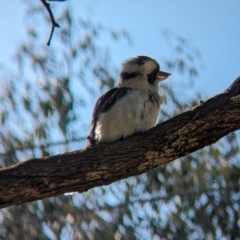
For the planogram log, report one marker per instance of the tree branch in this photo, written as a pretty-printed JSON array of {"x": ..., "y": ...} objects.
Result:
[
  {"x": 105, "y": 163},
  {"x": 54, "y": 23}
]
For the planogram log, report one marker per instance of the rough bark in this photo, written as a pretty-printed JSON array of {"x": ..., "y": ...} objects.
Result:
[{"x": 103, "y": 164}]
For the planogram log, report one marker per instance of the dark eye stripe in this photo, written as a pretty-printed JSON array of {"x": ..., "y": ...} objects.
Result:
[{"x": 126, "y": 76}]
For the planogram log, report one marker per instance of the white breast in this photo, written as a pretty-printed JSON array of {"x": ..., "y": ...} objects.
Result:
[{"x": 135, "y": 112}]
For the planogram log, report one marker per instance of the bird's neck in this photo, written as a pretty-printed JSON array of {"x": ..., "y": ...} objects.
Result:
[{"x": 140, "y": 84}]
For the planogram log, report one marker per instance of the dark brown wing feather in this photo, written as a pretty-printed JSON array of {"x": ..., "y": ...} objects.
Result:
[{"x": 103, "y": 104}]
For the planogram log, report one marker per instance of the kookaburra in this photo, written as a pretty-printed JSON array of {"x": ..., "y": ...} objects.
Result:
[{"x": 130, "y": 107}]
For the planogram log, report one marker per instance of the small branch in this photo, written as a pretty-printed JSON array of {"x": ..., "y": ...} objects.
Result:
[{"x": 54, "y": 23}]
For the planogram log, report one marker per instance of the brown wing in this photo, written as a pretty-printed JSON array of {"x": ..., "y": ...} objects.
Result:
[{"x": 103, "y": 104}]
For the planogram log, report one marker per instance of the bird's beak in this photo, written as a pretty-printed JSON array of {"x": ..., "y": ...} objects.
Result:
[{"x": 162, "y": 75}]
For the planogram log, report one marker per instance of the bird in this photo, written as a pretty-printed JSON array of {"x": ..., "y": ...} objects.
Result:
[{"x": 132, "y": 106}]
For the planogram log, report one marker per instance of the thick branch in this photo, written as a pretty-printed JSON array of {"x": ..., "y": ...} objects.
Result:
[{"x": 105, "y": 163}]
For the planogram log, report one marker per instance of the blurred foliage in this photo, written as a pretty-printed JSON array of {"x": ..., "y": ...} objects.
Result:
[{"x": 42, "y": 112}]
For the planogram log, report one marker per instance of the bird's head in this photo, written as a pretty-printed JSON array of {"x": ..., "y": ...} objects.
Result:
[{"x": 140, "y": 72}]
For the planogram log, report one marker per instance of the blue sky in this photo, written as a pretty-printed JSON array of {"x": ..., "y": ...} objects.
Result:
[{"x": 213, "y": 27}]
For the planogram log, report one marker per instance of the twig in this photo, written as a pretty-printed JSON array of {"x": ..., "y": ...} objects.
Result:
[{"x": 54, "y": 24}]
